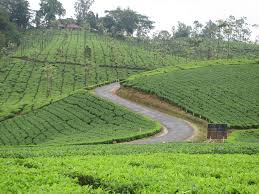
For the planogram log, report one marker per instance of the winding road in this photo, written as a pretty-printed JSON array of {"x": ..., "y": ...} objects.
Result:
[{"x": 175, "y": 129}]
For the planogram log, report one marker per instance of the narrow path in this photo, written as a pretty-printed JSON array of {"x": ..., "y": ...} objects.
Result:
[{"x": 175, "y": 129}]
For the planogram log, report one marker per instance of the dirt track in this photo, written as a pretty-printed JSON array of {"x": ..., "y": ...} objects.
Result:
[{"x": 175, "y": 129}]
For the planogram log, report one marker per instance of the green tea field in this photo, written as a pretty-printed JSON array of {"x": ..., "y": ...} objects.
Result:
[
  {"x": 219, "y": 94},
  {"x": 78, "y": 119},
  {"x": 99, "y": 99},
  {"x": 53, "y": 64},
  {"x": 228, "y": 168}
]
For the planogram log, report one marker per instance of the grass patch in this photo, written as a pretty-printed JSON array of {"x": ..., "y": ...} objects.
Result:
[{"x": 251, "y": 136}]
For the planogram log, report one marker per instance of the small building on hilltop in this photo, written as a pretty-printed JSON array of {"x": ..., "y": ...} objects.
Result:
[{"x": 73, "y": 27}]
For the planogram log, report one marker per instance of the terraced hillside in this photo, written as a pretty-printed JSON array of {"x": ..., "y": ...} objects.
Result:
[
  {"x": 78, "y": 119},
  {"x": 219, "y": 94},
  {"x": 80, "y": 47},
  {"x": 51, "y": 64}
]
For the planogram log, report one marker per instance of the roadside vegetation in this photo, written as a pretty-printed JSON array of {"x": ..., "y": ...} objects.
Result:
[{"x": 245, "y": 136}]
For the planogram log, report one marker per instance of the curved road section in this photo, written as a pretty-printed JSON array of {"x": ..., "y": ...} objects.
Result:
[{"x": 175, "y": 129}]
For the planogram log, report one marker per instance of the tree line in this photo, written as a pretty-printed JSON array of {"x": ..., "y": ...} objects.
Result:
[
  {"x": 16, "y": 16},
  {"x": 230, "y": 28},
  {"x": 118, "y": 22},
  {"x": 214, "y": 36}
]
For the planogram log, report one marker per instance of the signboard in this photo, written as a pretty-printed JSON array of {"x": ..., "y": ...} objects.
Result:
[{"x": 217, "y": 131}]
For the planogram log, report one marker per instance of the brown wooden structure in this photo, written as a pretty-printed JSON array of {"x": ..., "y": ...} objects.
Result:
[{"x": 217, "y": 131}]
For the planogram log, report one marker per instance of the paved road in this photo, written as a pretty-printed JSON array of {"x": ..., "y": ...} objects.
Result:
[{"x": 175, "y": 129}]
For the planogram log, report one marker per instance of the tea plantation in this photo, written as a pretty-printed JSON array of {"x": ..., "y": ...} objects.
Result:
[
  {"x": 78, "y": 119},
  {"x": 245, "y": 136},
  {"x": 131, "y": 168},
  {"x": 56, "y": 136},
  {"x": 219, "y": 93},
  {"x": 51, "y": 64}
]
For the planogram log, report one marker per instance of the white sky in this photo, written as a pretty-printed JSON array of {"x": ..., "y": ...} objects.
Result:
[{"x": 166, "y": 13}]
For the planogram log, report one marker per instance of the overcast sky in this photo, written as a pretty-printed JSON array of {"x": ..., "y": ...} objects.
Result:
[{"x": 166, "y": 13}]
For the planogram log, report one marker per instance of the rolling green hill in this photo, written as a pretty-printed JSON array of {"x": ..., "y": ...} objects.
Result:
[
  {"x": 217, "y": 93},
  {"x": 49, "y": 121},
  {"x": 51, "y": 64},
  {"x": 78, "y": 119}
]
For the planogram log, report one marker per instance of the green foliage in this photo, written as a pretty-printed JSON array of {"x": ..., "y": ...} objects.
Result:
[
  {"x": 8, "y": 31},
  {"x": 244, "y": 136},
  {"x": 204, "y": 48},
  {"x": 153, "y": 173},
  {"x": 78, "y": 119},
  {"x": 19, "y": 12},
  {"x": 80, "y": 60},
  {"x": 82, "y": 10},
  {"x": 49, "y": 9},
  {"x": 182, "y": 30},
  {"x": 124, "y": 168},
  {"x": 219, "y": 94},
  {"x": 127, "y": 21},
  {"x": 224, "y": 38},
  {"x": 127, "y": 149}
]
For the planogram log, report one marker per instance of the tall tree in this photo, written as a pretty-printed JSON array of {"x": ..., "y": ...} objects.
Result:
[
  {"x": 197, "y": 29},
  {"x": 228, "y": 31},
  {"x": 241, "y": 30},
  {"x": 92, "y": 20},
  {"x": 182, "y": 30},
  {"x": 210, "y": 30},
  {"x": 256, "y": 28},
  {"x": 145, "y": 25},
  {"x": 49, "y": 10},
  {"x": 127, "y": 21},
  {"x": 8, "y": 32},
  {"x": 82, "y": 8},
  {"x": 221, "y": 24},
  {"x": 18, "y": 11},
  {"x": 163, "y": 35},
  {"x": 109, "y": 24}
]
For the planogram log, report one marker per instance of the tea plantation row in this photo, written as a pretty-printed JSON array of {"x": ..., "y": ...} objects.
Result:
[
  {"x": 26, "y": 85},
  {"x": 78, "y": 119},
  {"x": 152, "y": 173},
  {"x": 128, "y": 149},
  {"x": 220, "y": 94},
  {"x": 85, "y": 48},
  {"x": 51, "y": 64}
]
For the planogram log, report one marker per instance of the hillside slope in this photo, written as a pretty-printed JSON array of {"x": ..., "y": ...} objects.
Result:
[
  {"x": 219, "y": 94},
  {"x": 51, "y": 64},
  {"x": 78, "y": 119}
]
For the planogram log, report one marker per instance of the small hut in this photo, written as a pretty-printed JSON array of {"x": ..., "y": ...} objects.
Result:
[
  {"x": 73, "y": 27},
  {"x": 217, "y": 131}
]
